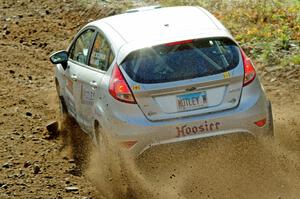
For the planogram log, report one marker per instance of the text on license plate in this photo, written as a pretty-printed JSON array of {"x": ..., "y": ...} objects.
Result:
[{"x": 191, "y": 101}]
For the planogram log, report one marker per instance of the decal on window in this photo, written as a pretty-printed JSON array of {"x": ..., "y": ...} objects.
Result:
[
  {"x": 85, "y": 51},
  {"x": 100, "y": 55}
]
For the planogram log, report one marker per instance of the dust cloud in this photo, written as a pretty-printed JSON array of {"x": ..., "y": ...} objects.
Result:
[
  {"x": 231, "y": 166},
  {"x": 76, "y": 144},
  {"x": 115, "y": 174},
  {"x": 228, "y": 167},
  {"x": 112, "y": 170}
]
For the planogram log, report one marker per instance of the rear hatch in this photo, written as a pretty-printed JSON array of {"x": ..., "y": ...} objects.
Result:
[{"x": 185, "y": 78}]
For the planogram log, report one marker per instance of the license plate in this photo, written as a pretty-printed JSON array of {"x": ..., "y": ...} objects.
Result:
[{"x": 191, "y": 101}]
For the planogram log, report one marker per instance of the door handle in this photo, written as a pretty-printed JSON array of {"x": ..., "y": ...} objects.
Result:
[
  {"x": 93, "y": 84},
  {"x": 74, "y": 77}
]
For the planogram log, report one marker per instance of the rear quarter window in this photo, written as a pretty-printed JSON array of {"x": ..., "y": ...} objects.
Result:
[{"x": 167, "y": 63}]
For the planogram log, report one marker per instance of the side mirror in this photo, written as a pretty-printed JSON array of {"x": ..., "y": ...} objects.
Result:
[{"x": 60, "y": 57}]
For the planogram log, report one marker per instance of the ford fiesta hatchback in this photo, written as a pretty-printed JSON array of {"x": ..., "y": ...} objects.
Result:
[{"x": 160, "y": 75}]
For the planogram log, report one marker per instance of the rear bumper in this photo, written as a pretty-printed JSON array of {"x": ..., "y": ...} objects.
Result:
[{"x": 241, "y": 119}]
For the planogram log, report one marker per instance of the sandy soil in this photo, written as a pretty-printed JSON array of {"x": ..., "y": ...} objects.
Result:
[{"x": 33, "y": 166}]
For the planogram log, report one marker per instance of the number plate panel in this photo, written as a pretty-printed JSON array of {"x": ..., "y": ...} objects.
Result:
[{"x": 191, "y": 101}]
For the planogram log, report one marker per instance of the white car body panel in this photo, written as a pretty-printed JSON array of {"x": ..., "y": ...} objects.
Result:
[{"x": 89, "y": 100}]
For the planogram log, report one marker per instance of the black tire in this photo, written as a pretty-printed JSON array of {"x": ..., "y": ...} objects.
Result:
[{"x": 62, "y": 105}]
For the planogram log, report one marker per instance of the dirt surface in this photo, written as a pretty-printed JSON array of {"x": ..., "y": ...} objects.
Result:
[{"x": 34, "y": 166}]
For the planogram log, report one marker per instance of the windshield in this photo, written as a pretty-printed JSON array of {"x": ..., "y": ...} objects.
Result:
[{"x": 181, "y": 61}]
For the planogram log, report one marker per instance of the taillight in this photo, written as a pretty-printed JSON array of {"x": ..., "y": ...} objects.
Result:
[
  {"x": 249, "y": 71},
  {"x": 118, "y": 87}
]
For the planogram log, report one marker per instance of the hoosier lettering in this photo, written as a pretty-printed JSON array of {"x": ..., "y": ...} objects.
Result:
[{"x": 189, "y": 130}]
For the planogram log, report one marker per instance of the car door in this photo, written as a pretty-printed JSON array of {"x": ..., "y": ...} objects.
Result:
[
  {"x": 90, "y": 77},
  {"x": 78, "y": 56}
]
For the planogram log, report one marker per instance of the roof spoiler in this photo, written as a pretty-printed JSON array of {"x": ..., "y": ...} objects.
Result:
[{"x": 143, "y": 9}]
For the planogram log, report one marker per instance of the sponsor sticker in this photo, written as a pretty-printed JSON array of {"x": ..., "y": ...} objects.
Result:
[
  {"x": 69, "y": 85},
  {"x": 226, "y": 75},
  {"x": 87, "y": 95},
  {"x": 136, "y": 87},
  {"x": 204, "y": 127}
]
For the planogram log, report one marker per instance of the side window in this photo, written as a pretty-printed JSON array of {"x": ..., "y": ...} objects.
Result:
[
  {"x": 101, "y": 54},
  {"x": 80, "y": 48}
]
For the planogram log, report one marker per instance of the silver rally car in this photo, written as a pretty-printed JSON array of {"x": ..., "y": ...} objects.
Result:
[{"x": 157, "y": 75}]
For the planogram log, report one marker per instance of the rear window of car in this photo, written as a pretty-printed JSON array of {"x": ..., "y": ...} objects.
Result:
[{"x": 182, "y": 60}]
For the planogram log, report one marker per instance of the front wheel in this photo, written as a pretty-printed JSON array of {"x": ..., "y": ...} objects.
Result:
[{"x": 62, "y": 104}]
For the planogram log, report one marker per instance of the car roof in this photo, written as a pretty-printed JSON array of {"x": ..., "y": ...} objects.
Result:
[
  {"x": 155, "y": 26},
  {"x": 153, "y": 23}
]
